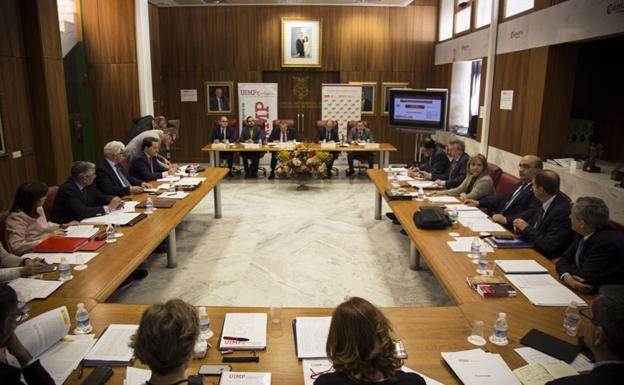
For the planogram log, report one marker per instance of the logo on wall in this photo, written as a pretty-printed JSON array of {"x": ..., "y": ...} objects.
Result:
[
  {"x": 300, "y": 88},
  {"x": 615, "y": 7}
]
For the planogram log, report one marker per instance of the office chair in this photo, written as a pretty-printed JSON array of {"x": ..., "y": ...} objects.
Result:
[
  {"x": 321, "y": 124},
  {"x": 233, "y": 123},
  {"x": 360, "y": 159}
]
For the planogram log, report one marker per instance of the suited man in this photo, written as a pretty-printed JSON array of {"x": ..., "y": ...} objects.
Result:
[
  {"x": 549, "y": 229},
  {"x": 367, "y": 105},
  {"x": 596, "y": 256},
  {"x": 112, "y": 179},
  {"x": 604, "y": 336},
  {"x": 78, "y": 198},
  {"x": 281, "y": 134},
  {"x": 251, "y": 159},
  {"x": 145, "y": 166},
  {"x": 299, "y": 46},
  {"x": 220, "y": 134},
  {"x": 219, "y": 102},
  {"x": 457, "y": 170},
  {"x": 437, "y": 162},
  {"x": 359, "y": 134},
  {"x": 329, "y": 133},
  {"x": 146, "y": 123},
  {"x": 519, "y": 201}
]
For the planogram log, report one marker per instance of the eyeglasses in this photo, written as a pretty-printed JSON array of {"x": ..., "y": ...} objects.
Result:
[
  {"x": 524, "y": 166},
  {"x": 587, "y": 313}
]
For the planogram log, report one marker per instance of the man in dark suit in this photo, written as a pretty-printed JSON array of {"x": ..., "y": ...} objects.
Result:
[
  {"x": 596, "y": 256},
  {"x": 437, "y": 162},
  {"x": 359, "y": 134},
  {"x": 299, "y": 46},
  {"x": 146, "y": 123},
  {"x": 519, "y": 201},
  {"x": 219, "y": 102},
  {"x": 222, "y": 133},
  {"x": 457, "y": 170},
  {"x": 145, "y": 166},
  {"x": 281, "y": 134},
  {"x": 112, "y": 179},
  {"x": 329, "y": 133},
  {"x": 604, "y": 336},
  {"x": 549, "y": 229},
  {"x": 251, "y": 134},
  {"x": 78, "y": 198}
]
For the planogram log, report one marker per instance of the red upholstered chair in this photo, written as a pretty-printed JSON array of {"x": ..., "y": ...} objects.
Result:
[
  {"x": 290, "y": 122},
  {"x": 566, "y": 197},
  {"x": 3, "y": 217},
  {"x": 495, "y": 173},
  {"x": 51, "y": 196},
  {"x": 124, "y": 164},
  {"x": 505, "y": 182},
  {"x": 361, "y": 160}
]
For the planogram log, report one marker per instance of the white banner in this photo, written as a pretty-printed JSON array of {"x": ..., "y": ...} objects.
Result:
[
  {"x": 258, "y": 100},
  {"x": 342, "y": 103}
]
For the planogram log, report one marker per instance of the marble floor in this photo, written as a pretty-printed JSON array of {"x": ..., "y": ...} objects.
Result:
[{"x": 275, "y": 245}]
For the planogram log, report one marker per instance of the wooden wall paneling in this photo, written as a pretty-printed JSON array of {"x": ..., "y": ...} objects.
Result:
[
  {"x": 11, "y": 43},
  {"x": 412, "y": 34},
  {"x": 527, "y": 133},
  {"x": 364, "y": 39},
  {"x": 154, "y": 29},
  {"x": 109, "y": 28}
]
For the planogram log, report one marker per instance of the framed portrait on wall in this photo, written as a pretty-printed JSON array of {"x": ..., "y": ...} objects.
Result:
[
  {"x": 301, "y": 42},
  {"x": 385, "y": 86},
  {"x": 219, "y": 97},
  {"x": 368, "y": 96}
]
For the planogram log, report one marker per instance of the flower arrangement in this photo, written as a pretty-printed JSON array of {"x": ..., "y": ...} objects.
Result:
[{"x": 302, "y": 162}]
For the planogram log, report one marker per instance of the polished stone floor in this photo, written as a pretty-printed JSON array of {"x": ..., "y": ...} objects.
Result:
[{"x": 275, "y": 245}]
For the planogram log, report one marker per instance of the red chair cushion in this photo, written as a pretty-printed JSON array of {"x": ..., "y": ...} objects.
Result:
[
  {"x": 495, "y": 173},
  {"x": 51, "y": 196},
  {"x": 505, "y": 182}
]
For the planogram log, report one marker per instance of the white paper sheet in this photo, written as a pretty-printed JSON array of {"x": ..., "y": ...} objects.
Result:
[
  {"x": 543, "y": 290},
  {"x": 72, "y": 258},
  {"x": 38, "y": 288},
  {"x": 312, "y": 336},
  {"x": 61, "y": 359},
  {"x": 81, "y": 231},
  {"x": 481, "y": 224},
  {"x": 461, "y": 207},
  {"x": 190, "y": 181},
  {"x": 113, "y": 344},
  {"x": 246, "y": 325},
  {"x": 476, "y": 367},
  {"x": 424, "y": 184},
  {"x": 117, "y": 218},
  {"x": 520, "y": 266},
  {"x": 174, "y": 195},
  {"x": 245, "y": 378},
  {"x": 395, "y": 169},
  {"x": 443, "y": 199},
  {"x": 129, "y": 206},
  {"x": 168, "y": 179},
  {"x": 533, "y": 356},
  {"x": 428, "y": 380},
  {"x": 136, "y": 376},
  {"x": 312, "y": 367},
  {"x": 463, "y": 244},
  {"x": 40, "y": 333},
  {"x": 404, "y": 178}
]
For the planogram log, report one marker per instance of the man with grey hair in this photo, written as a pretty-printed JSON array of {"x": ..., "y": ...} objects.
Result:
[
  {"x": 78, "y": 198},
  {"x": 165, "y": 135},
  {"x": 596, "y": 257},
  {"x": 112, "y": 179},
  {"x": 457, "y": 170}
]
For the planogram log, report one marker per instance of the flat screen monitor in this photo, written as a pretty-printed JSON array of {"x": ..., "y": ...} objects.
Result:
[{"x": 421, "y": 110}]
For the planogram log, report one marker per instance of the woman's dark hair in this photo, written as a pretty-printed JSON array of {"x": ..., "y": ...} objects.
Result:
[
  {"x": 8, "y": 300},
  {"x": 360, "y": 344},
  {"x": 26, "y": 197}
]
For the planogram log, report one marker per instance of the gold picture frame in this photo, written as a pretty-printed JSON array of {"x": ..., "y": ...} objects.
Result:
[
  {"x": 369, "y": 89},
  {"x": 385, "y": 86},
  {"x": 301, "y": 42},
  {"x": 222, "y": 105}
]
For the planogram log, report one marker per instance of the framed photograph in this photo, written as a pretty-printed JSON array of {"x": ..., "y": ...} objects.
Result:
[
  {"x": 219, "y": 97},
  {"x": 385, "y": 86},
  {"x": 368, "y": 96},
  {"x": 301, "y": 42}
]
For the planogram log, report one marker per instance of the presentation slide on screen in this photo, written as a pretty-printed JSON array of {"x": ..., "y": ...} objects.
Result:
[{"x": 420, "y": 109}]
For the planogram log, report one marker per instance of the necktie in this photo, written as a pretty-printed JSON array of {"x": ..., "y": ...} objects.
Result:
[
  {"x": 513, "y": 197},
  {"x": 453, "y": 164},
  {"x": 251, "y": 133},
  {"x": 122, "y": 177},
  {"x": 328, "y": 135},
  {"x": 283, "y": 136},
  {"x": 222, "y": 133},
  {"x": 151, "y": 163},
  {"x": 579, "y": 249},
  {"x": 540, "y": 216}
]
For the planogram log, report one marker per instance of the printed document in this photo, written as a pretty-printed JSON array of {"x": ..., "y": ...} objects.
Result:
[
  {"x": 117, "y": 218},
  {"x": 113, "y": 344},
  {"x": 245, "y": 378},
  {"x": 311, "y": 336},
  {"x": 61, "y": 359},
  {"x": 81, "y": 231},
  {"x": 76, "y": 258},
  {"x": 543, "y": 290},
  {"x": 443, "y": 199},
  {"x": 519, "y": 266},
  {"x": 533, "y": 356},
  {"x": 136, "y": 376},
  {"x": 476, "y": 367},
  {"x": 251, "y": 326},
  {"x": 38, "y": 288}
]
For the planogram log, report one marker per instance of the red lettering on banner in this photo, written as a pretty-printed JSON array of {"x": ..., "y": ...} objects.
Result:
[
  {"x": 262, "y": 111},
  {"x": 248, "y": 92}
]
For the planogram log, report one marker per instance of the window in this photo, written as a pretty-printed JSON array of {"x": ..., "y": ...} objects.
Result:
[
  {"x": 463, "y": 13},
  {"x": 446, "y": 20},
  {"x": 464, "y": 106},
  {"x": 514, "y": 7},
  {"x": 483, "y": 13}
]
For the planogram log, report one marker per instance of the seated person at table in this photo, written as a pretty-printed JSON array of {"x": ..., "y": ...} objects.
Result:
[
  {"x": 596, "y": 256},
  {"x": 145, "y": 166},
  {"x": 112, "y": 179},
  {"x": 329, "y": 133},
  {"x": 519, "y": 201},
  {"x": 477, "y": 184},
  {"x": 13, "y": 267},
  {"x": 33, "y": 372},
  {"x": 604, "y": 336},
  {"x": 251, "y": 134},
  {"x": 165, "y": 340},
  {"x": 78, "y": 198},
  {"x": 26, "y": 225},
  {"x": 222, "y": 133},
  {"x": 281, "y": 134},
  {"x": 360, "y": 346},
  {"x": 457, "y": 170},
  {"x": 549, "y": 229},
  {"x": 358, "y": 134},
  {"x": 437, "y": 162}
]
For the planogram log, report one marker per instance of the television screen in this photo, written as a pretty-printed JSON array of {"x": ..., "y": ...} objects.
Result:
[{"x": 423, "y": 110}]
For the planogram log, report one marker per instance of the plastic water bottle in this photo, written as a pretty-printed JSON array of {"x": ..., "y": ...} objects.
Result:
[
  {"x": 499, "y": 335},
  {"x": 204, "y": 324},
  {"x": 171, "y": 187},
  {"x": 421, "y": 193},
  {"x": 64, "y": 273},
  {"x": 110, "y": 233},
  {"x": 193, "y": 171},
  {"x": 475, "y": 248},
  {"x": 149, "y": 206},
  {"x": 571, "y": 319},
  {"x": 83, "y": 322}
]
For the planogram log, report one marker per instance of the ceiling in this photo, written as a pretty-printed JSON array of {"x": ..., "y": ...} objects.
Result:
[{"x": 349, "y": 3}]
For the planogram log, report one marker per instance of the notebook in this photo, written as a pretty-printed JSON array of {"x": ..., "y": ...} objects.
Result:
[
  {"x": 60, "y": 245},
  {"x": 311, "y": 336},
  {"x": 158, "y": 203},
  {"x": 112, "y": 348},
  {"x": 550, "y": 345},
  {"x": 521, "y": 266},
  {"x": 249, "y": 326},
  {"x": 516, "y": 243}
]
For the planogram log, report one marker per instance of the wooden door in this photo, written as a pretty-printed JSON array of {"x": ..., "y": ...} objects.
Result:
[{"x": 299, "y": 97}]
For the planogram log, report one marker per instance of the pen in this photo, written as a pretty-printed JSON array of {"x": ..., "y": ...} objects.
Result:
[{"x": 235, "y": 338}]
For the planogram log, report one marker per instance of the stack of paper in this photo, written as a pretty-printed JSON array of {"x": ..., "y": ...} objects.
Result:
[
  {"x": 117, "y": 218},
  {"x": 81, "y": 231},
  {"x": 174, "y": 195},
  {"x": 480, "y": 224},
  {"x": 424, "y": 184},
  {"x": 395, "y": 169},
  {"x": 190, "y": 181},
  {"x": 136, "y": 376},
  {"x": 168, "y": 179},
  {"x": 520, "y": 266},
  {"x": 77, "y": 258},
  {"x": 37, "y": 288},
  {"x": 245, "y": 378},
  {"x": 112, "y": 349},
  {"x": 251, "y": 327},
  {"x": 533, "y": 356},
  {"x": 129, "y": 206},
  {"x": 480, "y": 368},
  {"x": 463, "y": 244},
  {"x": 313, "y": 368},
  {"x": 461, "y": 207},
  {"x": 311, "y": 336},
  {"x": 543, "y": 290},
  {"x": 443, "y": 199},
  {"x": 540, "y": 374}
]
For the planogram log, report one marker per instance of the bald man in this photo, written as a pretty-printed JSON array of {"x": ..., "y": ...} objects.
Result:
[{"x": 519, "y": 201}]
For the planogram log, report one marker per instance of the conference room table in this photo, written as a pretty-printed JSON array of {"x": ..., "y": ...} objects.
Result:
[{"x": 116, "y": 261}]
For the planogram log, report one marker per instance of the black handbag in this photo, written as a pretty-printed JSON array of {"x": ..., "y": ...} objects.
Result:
[{"x": 431, "y": 217}]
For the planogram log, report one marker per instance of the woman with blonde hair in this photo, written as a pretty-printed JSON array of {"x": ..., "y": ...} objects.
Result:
[
  {"x": 361, "y": 348},
  {"x": 477, "y": 183}
]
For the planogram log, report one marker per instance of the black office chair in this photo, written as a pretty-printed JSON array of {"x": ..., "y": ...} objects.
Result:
[{"x": 361, "y": 160}]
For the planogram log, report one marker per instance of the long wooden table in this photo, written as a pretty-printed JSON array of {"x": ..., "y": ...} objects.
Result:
[{"x": 116, "y": 261}]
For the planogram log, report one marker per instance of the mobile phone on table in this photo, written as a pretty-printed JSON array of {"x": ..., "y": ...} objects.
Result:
[
  {"x": 214, "y": 370},
  {"x": 399, "y": 348},
  {"x": 98, "y": 376},
  {"x": 504, "y": 237},
  {"x": 46, "y": 269}
]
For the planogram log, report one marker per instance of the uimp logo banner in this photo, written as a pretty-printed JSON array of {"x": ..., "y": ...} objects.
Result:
[
  {"x": 342, "y": 103},
  {"x": 258, "y": 100}
]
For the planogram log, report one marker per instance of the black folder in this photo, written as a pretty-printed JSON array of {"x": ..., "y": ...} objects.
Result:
[{"x": 550, "y": 345}]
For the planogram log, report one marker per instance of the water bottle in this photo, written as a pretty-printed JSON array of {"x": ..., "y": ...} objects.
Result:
[
  {"x": 454, "y": 214},
  {"x": 64, "y": 273},
  {"x": 83, "y": 322},
  {"x": 499, "y": 335},
  {"x": 149, "y": 206},
  {"x": 193, "y": 171},
  {"x": 172, "y": 187},
  {"x": 110, "y": 233},
  {"x": 475, "y": 248},
  {"x": 204, "y": 324},
  {"x": 421, "y": 193},
  {"x": 571, "y": 319}
]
